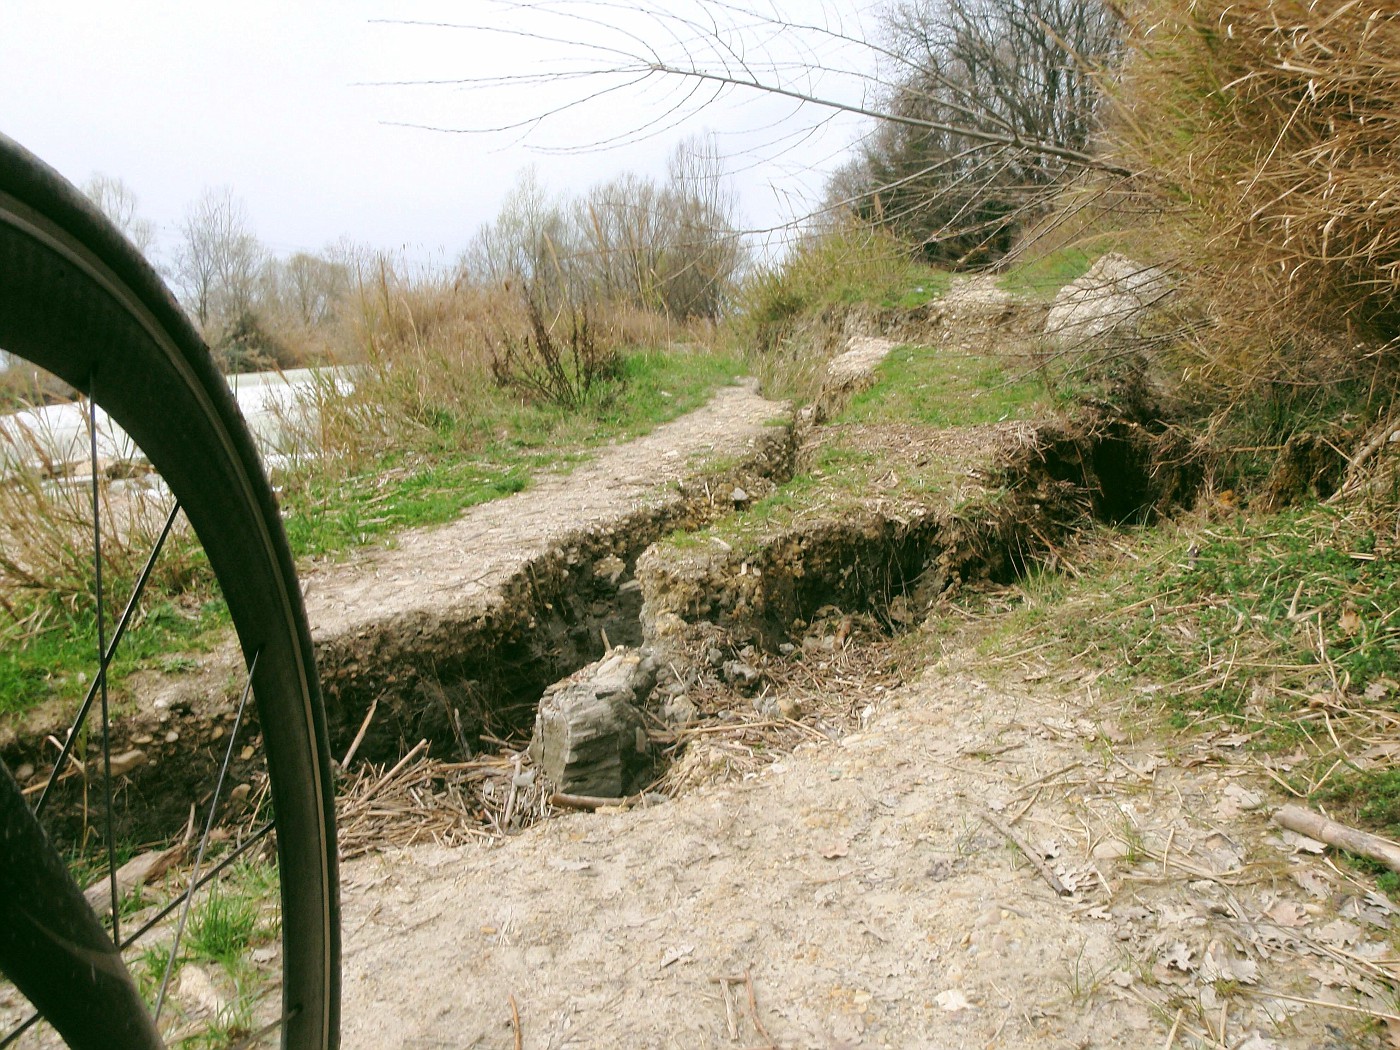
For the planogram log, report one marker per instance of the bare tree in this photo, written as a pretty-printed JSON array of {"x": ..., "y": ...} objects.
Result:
[
  {"x": 961, "y": 93},
  {"x": 526, "y": 242},
  {"x": 218, "y": 260},
  {"x": 116, "y": 200},
  {"x": 971, "y": 70},
  {"x": 305, "y": 288},
  {"x": 669, "y": 246}
]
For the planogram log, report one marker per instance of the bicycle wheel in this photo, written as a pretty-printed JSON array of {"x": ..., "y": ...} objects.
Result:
[{"x": 78, "y": 301}]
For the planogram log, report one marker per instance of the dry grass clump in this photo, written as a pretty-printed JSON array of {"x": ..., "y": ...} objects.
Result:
[
  {"x": 1269, "y": 130},
  {"x": 46, "y": 526}
]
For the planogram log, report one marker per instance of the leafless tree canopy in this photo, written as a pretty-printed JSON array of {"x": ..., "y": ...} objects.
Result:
[
  {"x": 973, "y": 71},
  {"x": 116, "y": 200},
  {"x": 665, "y": 245},
  {"x": 979, "y": 107},
  {"x": 218, "y": 260}
]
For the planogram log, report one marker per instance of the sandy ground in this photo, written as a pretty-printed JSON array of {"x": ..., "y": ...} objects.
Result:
[{"x": 855, "y": 894}]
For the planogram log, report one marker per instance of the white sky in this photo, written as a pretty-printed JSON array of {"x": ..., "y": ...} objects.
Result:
[{"x": 284, "y": 101}]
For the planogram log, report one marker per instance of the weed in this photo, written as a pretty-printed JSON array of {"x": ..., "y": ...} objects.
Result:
[
  {"x": 541, "y": 367},
  {"x": 222, "y": 926},
  {"x": 1083, "y": 980}
]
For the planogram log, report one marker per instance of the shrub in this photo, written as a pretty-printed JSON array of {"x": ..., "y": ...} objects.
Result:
[{"x": 545, "y": 366}]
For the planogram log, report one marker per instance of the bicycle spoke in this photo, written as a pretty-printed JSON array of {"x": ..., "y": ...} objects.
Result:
[
  {"x": 127, "y": 614},
  {"x": 204, "y": 839},
  {"x": 110, "y": 834},
  {"x": 198, "y": 884}
]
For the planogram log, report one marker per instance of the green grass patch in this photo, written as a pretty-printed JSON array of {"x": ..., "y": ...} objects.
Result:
[
  {"x": 1039, "y": 279},
  {"x": 921, "y": 284},
  {"x": 1284, "y": 626},
  {"x": 59, "y": 659},
  {"x": 935, "y": 387},
  {"x": 223, "y": 926},
  {"x": 470, "y": 454}
]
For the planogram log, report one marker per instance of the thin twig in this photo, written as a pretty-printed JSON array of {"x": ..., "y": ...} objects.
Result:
[
  {"x": 515, "y": 1022},
  {"x": 1049, "y": 876}
]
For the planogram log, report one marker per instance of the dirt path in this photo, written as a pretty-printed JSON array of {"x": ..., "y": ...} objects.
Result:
[
  {"x": 433, "y": 569},
  {"x": 864, "y": 891},
  {"x": 860, "y": 888}
]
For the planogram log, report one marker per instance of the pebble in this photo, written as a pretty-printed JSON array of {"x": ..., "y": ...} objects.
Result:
[{"x": 1111, "y": 849}]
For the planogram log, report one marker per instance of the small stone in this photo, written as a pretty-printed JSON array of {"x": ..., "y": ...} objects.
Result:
[
  {"x": 740, "y": 673},
  {"x": 240, "y": 793},
  {"x": 171, "y": 737},
  {"x": 24, "y": 772},
  {"x": 197, "y": 989},
  {"x": 1111, "y": 849},
  {"x": 738, "y": 496},
  {"x": 127, "y": 761},
  {"x": 679, "y": 711}
]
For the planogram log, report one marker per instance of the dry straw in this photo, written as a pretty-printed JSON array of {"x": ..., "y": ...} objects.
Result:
[{"x": 1270, "y": 129}]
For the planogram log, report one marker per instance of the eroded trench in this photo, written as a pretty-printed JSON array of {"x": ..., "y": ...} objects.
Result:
[{"x": 466, "y": 683}]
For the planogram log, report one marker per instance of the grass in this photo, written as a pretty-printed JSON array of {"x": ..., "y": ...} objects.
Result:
[
  {"x": 1283, "y": 627},
  {"x": 935, "y": 387},
  {"x": 1040, "y": 278},
  {"x": 58, "y": 660},
  {"x": 455, "y": 456},
  {"x": 915, "y": 386},
  {"x": 489, "y": 449},
  {"x": 920, "y": 284},
  {"x": 224, "y": 926}
]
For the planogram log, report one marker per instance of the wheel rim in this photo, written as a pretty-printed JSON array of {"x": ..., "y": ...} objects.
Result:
[{"x": 116, "y": 333}]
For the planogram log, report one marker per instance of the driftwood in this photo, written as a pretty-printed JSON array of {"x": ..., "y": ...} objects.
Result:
[
  {"x": 132, "y": 876},
  {"x": 1316, "y": 826}
]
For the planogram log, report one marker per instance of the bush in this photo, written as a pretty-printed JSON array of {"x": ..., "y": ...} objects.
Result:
[
  {"x": 543, "y": 367},
  {"x": 849, "y": 263}
]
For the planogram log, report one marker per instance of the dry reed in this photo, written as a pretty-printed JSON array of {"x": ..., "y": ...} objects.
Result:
[{"x": 1268, "y": 130}]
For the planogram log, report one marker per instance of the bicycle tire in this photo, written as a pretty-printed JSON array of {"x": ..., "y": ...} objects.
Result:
[{"x": 79, "y": 301}]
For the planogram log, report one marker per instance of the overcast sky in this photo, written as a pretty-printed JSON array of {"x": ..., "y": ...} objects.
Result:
[{"x": 296, "y": 106}]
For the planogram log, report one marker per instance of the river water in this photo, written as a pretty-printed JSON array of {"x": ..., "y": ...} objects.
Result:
[{"x": 279, "y": 407}]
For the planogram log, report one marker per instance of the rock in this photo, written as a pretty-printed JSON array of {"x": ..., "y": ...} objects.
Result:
[
  {"x": 127, "y": 761},
  {"x": 1112, "y": 295},
  {"x": 740, "y": 673},
  {"x": 196, "y": 989},
  {"x": 679, "y": 711},
  {"x": 589, "y": 736},
  {"x": 1111, "y": 849},
  {"x": 739, "y": 497},
  {"x": 609, "y": 568}
]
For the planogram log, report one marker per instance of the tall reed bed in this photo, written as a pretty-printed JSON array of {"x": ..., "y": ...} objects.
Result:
[{"x": 1268, "y": 131}]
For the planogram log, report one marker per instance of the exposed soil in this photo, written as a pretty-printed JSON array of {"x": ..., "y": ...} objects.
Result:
[{"x": 858, "y": 886}]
